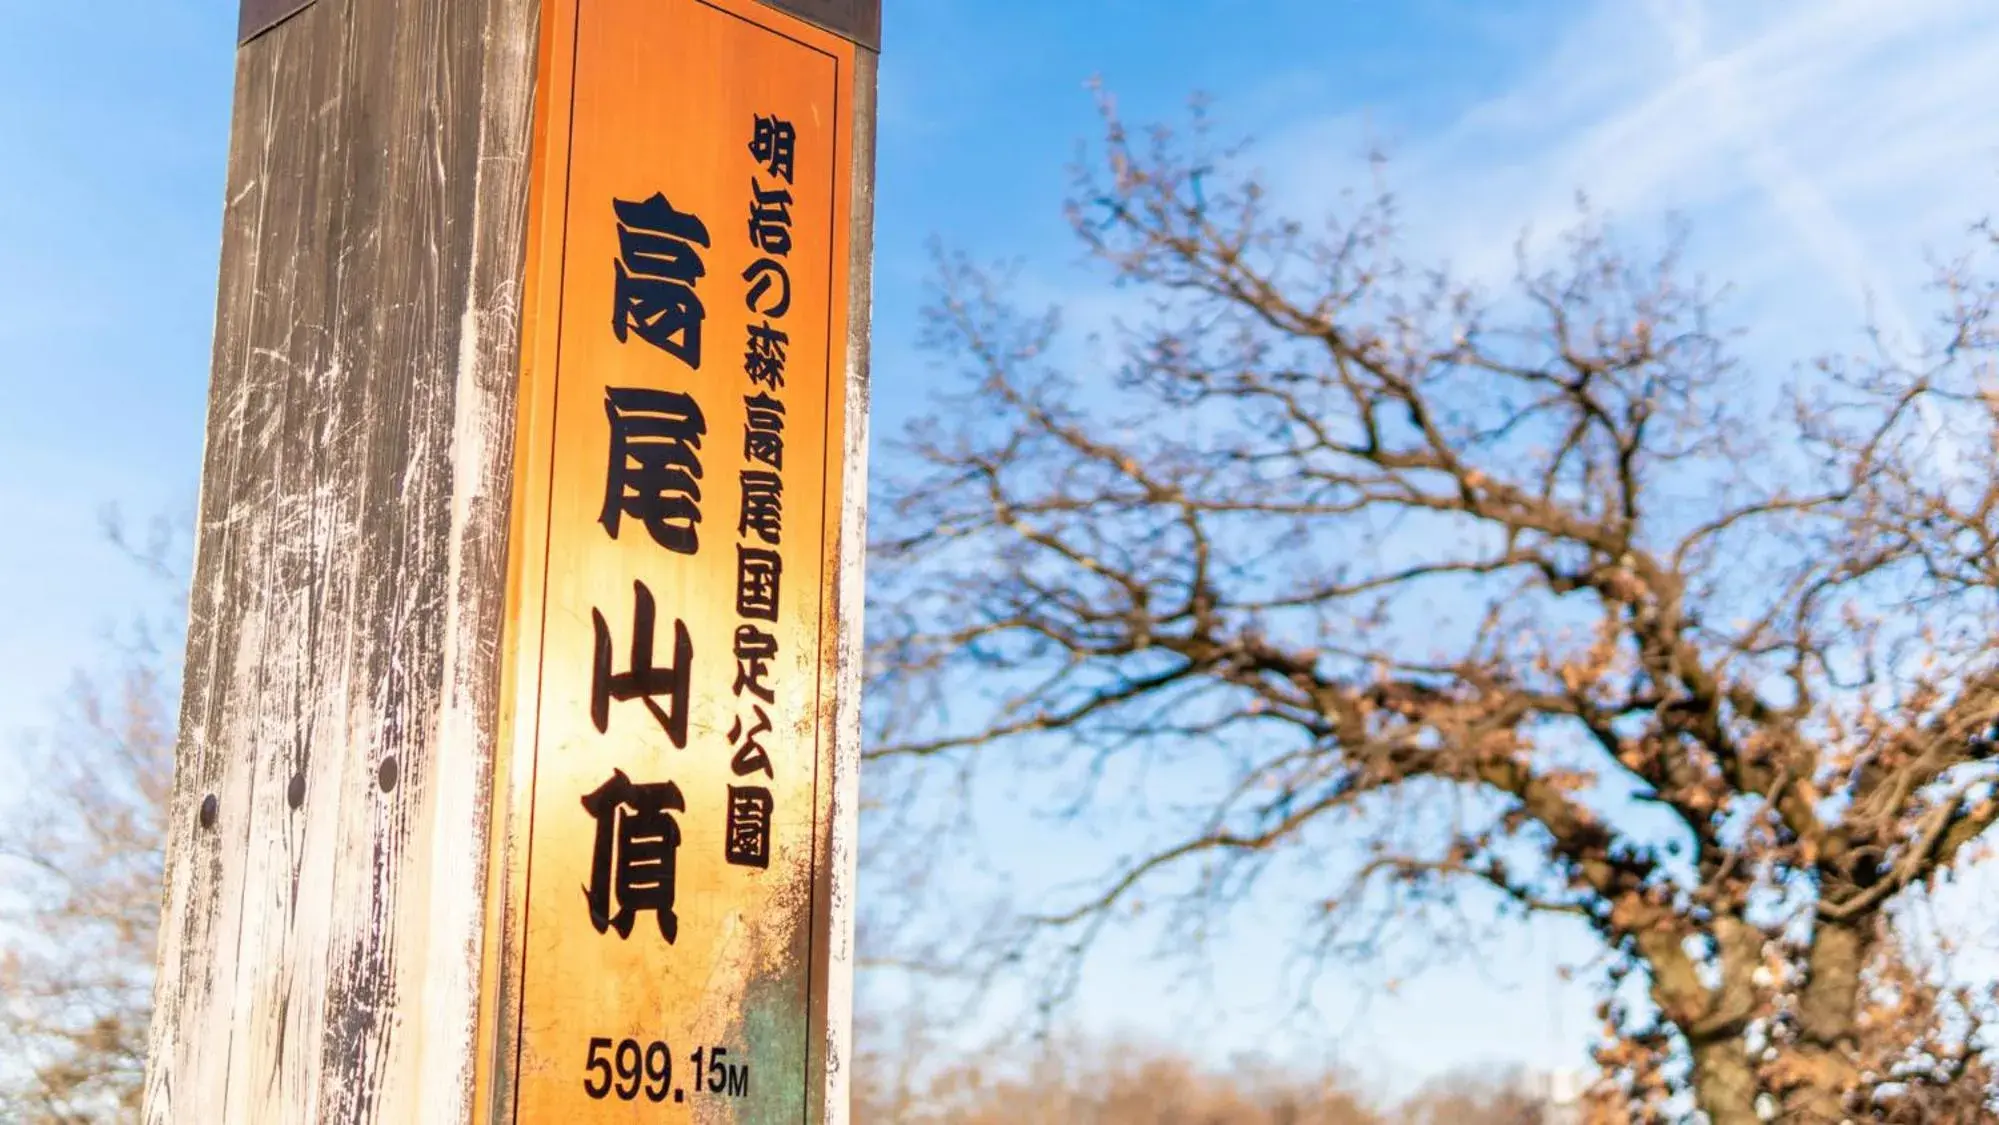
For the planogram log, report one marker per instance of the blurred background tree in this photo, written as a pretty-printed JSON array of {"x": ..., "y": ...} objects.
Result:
[
  {"x": 1440, "y": 602},
  {"x": 1069, "y": 1082},
  {"x": 80, "y": 863}
]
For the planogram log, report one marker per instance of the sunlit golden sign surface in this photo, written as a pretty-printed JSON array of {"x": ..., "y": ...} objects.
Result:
[{"x": 676, "y": 515}]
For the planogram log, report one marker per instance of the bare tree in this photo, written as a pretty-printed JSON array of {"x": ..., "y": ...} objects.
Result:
[
  {"x": 1917, "y": 1043},
  {"x": 80, "y": 848},
  {"x": 1526, "y": 601},
  {"x": 1095, "y": 1083}
]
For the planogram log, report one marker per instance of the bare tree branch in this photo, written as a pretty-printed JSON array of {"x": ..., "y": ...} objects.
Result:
[{"x": 1343, "y": 531}]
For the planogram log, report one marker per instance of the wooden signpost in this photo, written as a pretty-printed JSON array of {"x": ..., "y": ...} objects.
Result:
[{"x": 517, "y": 775}]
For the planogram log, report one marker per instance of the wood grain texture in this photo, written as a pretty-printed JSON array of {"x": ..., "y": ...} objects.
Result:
[
  {"x": 320, "y": 953},
  {"x": 834, "y": 1057}
]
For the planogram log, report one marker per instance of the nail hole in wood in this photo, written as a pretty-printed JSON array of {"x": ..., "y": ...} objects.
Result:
[
  {"x": 210, "y": 808},
  {"x": 295, "y": 794},
  {"x": 386, "y": 776}
]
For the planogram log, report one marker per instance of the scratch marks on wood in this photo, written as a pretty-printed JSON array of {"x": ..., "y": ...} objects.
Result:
[
  {"x": 843, "y": 849},
  {"x": 320, "y": 957}
]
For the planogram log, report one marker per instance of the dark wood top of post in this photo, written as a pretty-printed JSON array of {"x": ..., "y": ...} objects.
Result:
[
  {"x": 858, "y": 20},
  {"x": 260, "y": 16}
]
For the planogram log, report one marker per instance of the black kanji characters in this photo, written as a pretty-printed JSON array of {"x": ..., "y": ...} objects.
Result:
[
  {"x": 659, "y": 262},
  {"x": 654, "y": 478},
  {"x": 655, "y": 465},
  {"x": 758, "y": 576},
  {"x": 752, "y": 756},
  {"x": 763, "y": 430},
  {"x": 770, "y": 219},
  {"x": 762, "y": 513},
  {"x": 632, "y": 865},
  {"x": 643, "y": 681},
  {"x": 764, "y": 275},
  {"x": 755, "y": 649},
  {"x": 773, "y": 141},
  {"x": 747, "y": 832},
  {"x": 763, "y": 356}
]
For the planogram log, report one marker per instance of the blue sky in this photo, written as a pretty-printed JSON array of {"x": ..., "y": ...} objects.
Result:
[{"x": 1819, "y": 147}]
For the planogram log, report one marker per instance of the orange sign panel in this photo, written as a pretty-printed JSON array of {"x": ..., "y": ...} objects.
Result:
[{"x": 677, "y": 514}]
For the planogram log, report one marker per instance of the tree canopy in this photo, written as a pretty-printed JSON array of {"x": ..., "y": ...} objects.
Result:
[{"x": 1530, "y": 593}]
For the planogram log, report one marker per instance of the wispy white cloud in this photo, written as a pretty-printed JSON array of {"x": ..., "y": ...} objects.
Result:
[
  {"x": 1818, "y": 148},
  {"x": 1725, "y": 83}
]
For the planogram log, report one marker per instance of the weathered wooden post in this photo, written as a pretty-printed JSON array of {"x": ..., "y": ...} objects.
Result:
[{"x": 517, "y": 773}]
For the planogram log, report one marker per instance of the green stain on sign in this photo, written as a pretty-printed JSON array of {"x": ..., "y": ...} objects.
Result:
[{"x": 775, "y": 1021}]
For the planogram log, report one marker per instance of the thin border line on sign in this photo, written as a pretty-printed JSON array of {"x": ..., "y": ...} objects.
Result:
[
  {"x": 547, "y": 547},
  {"x": 548, "y": 519},
  {"x": 781, "y": 34},
  {"x": 820, "y": 719}
]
